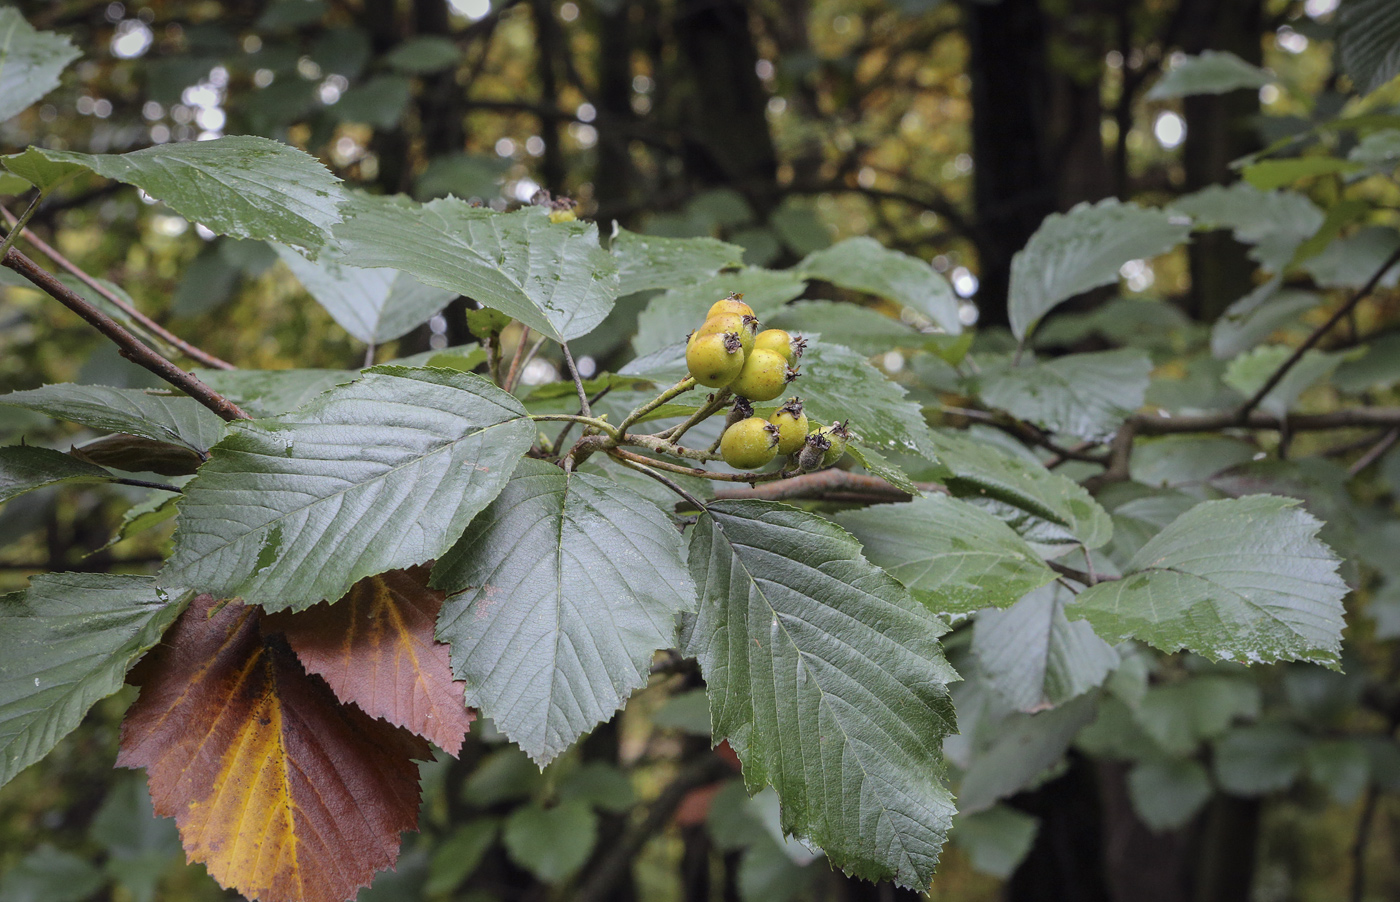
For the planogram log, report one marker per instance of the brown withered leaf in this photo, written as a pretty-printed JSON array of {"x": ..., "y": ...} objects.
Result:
[
  {"x": 375, "y": 648},
  {"x": 284, "y": 793}
]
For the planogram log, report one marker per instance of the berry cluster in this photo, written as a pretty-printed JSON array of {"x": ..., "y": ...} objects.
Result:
[{"x": 728, "y": 352}]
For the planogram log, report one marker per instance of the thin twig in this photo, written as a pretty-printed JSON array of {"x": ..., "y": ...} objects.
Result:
[
  {"x": 1278, "y": 374},
  {"x": 131, "y": 347},
  {"x": 715, "y": 405},
  {"x": 750, "y": 478},
  {"x": 664, "y": 480},
  {"x": 369, "y": 354},
  {"x": 514, "y": 372},
  {"x": 143, "y": 484},
  {"x": 196, "y": 354},
  {"x": 1352, "y": 418},
  {"x": 564, "y": 433},
  {"x": 578, "y": 381},
  {"x": 17, "y": 223},
  {"x": 642, "y": 410},
  {"x": 822, "y": 484},
  {"x": 1375, "y": 453},
  {"x": 1361, "y": 843},
  {"x": 601, "y": 881}
]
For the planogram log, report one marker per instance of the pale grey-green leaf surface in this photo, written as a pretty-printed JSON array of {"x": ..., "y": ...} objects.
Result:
[
  {"x": 1085, "y": 395},
  {"x": 1368, "y": 39},
  {"x": 69, "y": 640},
  {"x": 864, "y": 264},
  {"x": 1034, "y": 657},
  {"x": 553, "y": 277},
  {"x": 563, "y": 589},
  {"x": 30, "y": 62},
  {"x": 1046, "y": 508},
  {"x": 1259, "y": 759},
  {"x": 828, "y": 681},
  {"x": 650, "y": 261},
  {"x": 995, "y": 840},
  {"x": 1248, "y": 372},
  {"x": 1254, "y": 317},
  {"x": 1275, "y": 222},
  {"x": 1243, "y": 580},
  {"x": 1167, "y": 794},
  {"x": 24, "y": 468},
  {"x": 1018, "y": 750},
  {"x": 31, "y": 164},
  {"x": 373, "y": 305},
  {"x": 670, "y": 317},
  {"x": 1073, "y": 252},
  {"x": 379, "y": 474},
  {"x": 151, "y": 414},
  {"x": 1211, "y": 72},
  {"x": 266, "y": 393},
  {"x": 859, "y": 328},
  {"x": 241, "y": 185},
  {"x": 953, "y": 557}
]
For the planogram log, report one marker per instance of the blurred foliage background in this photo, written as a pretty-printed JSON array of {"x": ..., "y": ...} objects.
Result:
[{"x": 948, "y": 130}]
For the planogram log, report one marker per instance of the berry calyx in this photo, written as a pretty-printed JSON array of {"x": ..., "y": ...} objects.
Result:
[
  {"x": 749, "y": 444},
  {"x": 781, "y": 342},
  {"x": 732, "y": 304},
  {"x": 744, "y": 325},
  {"x": 741, "y": 410},
  {"x": 764, "y": 376},
  {"x": 792, "y": 426},
  {"x": 715, "y": 359},
  {"x": 813, "y": 452},
  {"x": 837, "y": 435}
]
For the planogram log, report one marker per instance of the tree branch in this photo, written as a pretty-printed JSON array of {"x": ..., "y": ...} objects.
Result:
[
  {"x": 132, "y": 348},
  {"x": 1317, "y": 334},
  {"x": 1357, "y": 417},
  {"x": 827, "y": 485},
  {"x": 196, "y": 354}
]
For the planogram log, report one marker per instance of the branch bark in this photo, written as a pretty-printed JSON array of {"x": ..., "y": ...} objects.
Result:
[{"x": 132, "y": 348}]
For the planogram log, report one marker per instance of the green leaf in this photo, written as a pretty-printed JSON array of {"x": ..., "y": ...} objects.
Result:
[
  {"x": 69, "y": 640},
  {"x": 553, "y": 277},
  {"x": 423, "y": 55},
  {"x": 1212, "y": 72},
  {"x": 1167, "y": 794},
  {"x": 136, "y": 454},
  {"x": 49, "y": 875},
  {"x": 140, "y": 847},
  {"x": 1275, "y": 222},
  {"x": 864, "y": 264},
  {"x": 647, "y": 261},
  {"x": 1185, "y": 460},
  {"x": 1350, "y": 262},
  {"x": 1180, "y": 716},
  {"x": 11, "y": 184},
  {"x": 30, "y": 62},
  {"x": 1248, "y": 372},
  {"x": 1242, "y": 580},
  {"x": 1368, "y": 42},
  {"x": 144, "y": 515},
  {"x": 35, "y": 168},
  {"x": 1341, "y": 766},
  {"x": 953, "y": 557},
  {"x": 243, "y": 186},
  {"x": 24, "y": 468},
  {"x": 1073, "y": 252},
  {"x": 876, "y": 464},
  {"x": 379, "y": 474},
  {"x": 1044, "y": 507},
  {"x": 828, "y": 681},
  {"x": 861, "y": 329},
  {"x": 1256, "y": 316},
  {"x": 1085, "y": 395},
  {"x": 565, "y": 587},
  {"x": 379, "y": 102},
  {"x": 995, "y": 840},
  {"x": 373, "y": 305},
  {"x": 668, "y": 318},
  {"x": 1259, "y": 759},
  {"x": 465, "y": 175},
  {"x": 160, "y": 417},
  {"x": 551, "y": 843},
  {"x": 842, "y": 385},
  {"x": 1020, "y": 751},
  {"x": 1268, "y": 174},
  {"x": 267, "y": 393},
  {"x": 1379, "y": 149},
  {"x": 459, "y": 854},
  {"x": 1034, "y": 657}
]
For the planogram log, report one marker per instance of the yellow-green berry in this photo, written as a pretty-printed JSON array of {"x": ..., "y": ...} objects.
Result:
[{"x": 749, "y": 444}]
